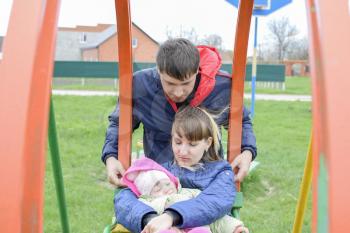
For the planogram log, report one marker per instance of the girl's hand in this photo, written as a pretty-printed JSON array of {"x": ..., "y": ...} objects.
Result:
[{"x": 158, "y": 224}]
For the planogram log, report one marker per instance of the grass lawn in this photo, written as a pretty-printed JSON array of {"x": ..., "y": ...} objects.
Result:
[
  {"x": 271, "y": 192},
  {"x": 95, "y": 84},
  {"x": 294, "y": 85}
]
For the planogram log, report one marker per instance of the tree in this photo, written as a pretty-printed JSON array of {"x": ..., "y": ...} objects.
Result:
[
  {"x": 299, "y": 49},
  {"x": 189, "y": 34},
  {"x": 283, "y": 35},
  {"x": 213, "y": 40}
]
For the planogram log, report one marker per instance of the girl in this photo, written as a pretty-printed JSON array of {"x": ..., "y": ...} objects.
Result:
[{"x": 197, "y": 164}]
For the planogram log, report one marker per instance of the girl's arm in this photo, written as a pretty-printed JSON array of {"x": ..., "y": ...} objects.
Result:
[
  {"x": 129, "y": 211},
  {"x": 213, "y": 202}
]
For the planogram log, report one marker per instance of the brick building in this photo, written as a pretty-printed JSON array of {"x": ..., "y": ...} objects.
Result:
[{"x": 99, "y": 43}]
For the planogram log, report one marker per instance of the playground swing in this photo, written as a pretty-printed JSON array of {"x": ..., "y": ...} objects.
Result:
[
  {"x": 237, "y": 91},
  {"x": 24, "y": 129}
]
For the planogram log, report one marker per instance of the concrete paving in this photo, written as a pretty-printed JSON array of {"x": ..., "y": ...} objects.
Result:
[{"x": 246, "y": 96}]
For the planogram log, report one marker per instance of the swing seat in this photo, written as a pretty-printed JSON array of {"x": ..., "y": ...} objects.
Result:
[{"x": 115, "y": 227}]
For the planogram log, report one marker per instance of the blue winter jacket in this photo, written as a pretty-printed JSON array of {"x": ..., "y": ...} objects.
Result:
[
  {"x": 214, "y": 179},
  {"x": 156, "y": 112}
]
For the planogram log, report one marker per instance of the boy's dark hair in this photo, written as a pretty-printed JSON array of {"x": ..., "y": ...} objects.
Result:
[{"x": 178, "y": 58}]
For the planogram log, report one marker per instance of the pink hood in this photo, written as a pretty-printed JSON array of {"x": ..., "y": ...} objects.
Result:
[{"x": 144, "y": 164}]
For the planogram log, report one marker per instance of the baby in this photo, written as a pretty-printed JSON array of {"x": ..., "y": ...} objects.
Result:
[{"x": 158, "y": 188}]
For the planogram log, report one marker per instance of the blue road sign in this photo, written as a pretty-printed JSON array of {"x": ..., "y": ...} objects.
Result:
[{"x": 264, "y": 7}]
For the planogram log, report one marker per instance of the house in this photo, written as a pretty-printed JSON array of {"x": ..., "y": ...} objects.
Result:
[{"x": 99, "y": 43}]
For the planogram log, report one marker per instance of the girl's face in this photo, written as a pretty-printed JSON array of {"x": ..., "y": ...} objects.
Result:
[{"x": 188, "y": 153}]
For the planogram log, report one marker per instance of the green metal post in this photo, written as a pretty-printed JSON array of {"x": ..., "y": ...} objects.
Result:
[{"x": 57, "y": 170}]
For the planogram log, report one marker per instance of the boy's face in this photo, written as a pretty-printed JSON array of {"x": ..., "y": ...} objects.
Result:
[
  {"x": 175, "y": 89},
  {"x": 163, "y": 187}
]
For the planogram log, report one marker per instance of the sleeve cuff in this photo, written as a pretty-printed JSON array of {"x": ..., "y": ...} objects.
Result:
[
  {"x": 251, "y": 151},
  {"x": 147, "y": 217},
  {"x": 108, "y": 156},
  {"x": 177, "y": 218}
]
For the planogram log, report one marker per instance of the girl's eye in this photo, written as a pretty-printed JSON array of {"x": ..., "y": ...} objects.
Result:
[{"x": 193, "y": 144}]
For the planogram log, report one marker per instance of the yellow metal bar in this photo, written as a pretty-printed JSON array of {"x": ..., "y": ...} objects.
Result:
[{"x": 304, "y": 191}]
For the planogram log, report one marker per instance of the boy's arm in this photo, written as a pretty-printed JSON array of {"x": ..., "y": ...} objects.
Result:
[
  {"x": 248, "y": 144},
  {"x": 110, "y": 147},
  {"x": 211, "y": 204},
  {"x": 129, "y": 211},
  {"x": 248, "y": 136}
]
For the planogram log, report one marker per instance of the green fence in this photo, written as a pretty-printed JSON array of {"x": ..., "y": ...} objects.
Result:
[
  {"x": 81, "y": 69},
  {"x": 264, "y": 73}
]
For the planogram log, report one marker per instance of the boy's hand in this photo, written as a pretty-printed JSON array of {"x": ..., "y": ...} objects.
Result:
[
  {"x": 158, "y": 224},
  {"x": 115, "y": 171},
  {"x": 242, "y": 163}
]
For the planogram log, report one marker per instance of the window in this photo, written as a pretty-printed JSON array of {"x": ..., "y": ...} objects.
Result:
[
  {"x": 83, "y": 38},
  {"x": 134, "y": 42}
]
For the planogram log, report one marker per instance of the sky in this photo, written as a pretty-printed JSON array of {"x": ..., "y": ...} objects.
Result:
[{"x": 155, "y": 17}]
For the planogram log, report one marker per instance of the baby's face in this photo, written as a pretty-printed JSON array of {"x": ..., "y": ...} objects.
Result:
[{"x": 163, "y": 187}]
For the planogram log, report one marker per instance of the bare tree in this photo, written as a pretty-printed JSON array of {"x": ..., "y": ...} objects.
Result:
[
  {"x": 213, "y": 40},
  {"x": 299, "y": 49},
  {"x": 189, "y": 34},
  {"x": 283, "y": 34}
]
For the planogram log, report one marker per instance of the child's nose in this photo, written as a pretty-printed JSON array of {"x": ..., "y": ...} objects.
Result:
[{"x": 183, "y": 150}]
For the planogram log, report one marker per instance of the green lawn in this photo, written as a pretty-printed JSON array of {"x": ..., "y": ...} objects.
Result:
[
  {"x": 271, "y": 192},
  {"x": 95, "y": 84},
  {"x": 294, "y": 85}
]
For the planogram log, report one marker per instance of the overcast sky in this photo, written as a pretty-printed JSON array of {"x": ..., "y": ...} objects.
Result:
[{"x": 155, "y": 16}]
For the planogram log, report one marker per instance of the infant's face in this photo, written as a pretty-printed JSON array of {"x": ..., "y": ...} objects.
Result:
[{"x": 163, "y": 187}]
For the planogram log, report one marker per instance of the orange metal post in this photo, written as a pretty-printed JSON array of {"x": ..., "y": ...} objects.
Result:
[
  {"x": 25, "y": 72},
  {"x": 125, "y": 81},
  {"x": 317, "y": 84},
  {"x": 330, "y": 34},
  {"x": 238, "y": 75}
]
